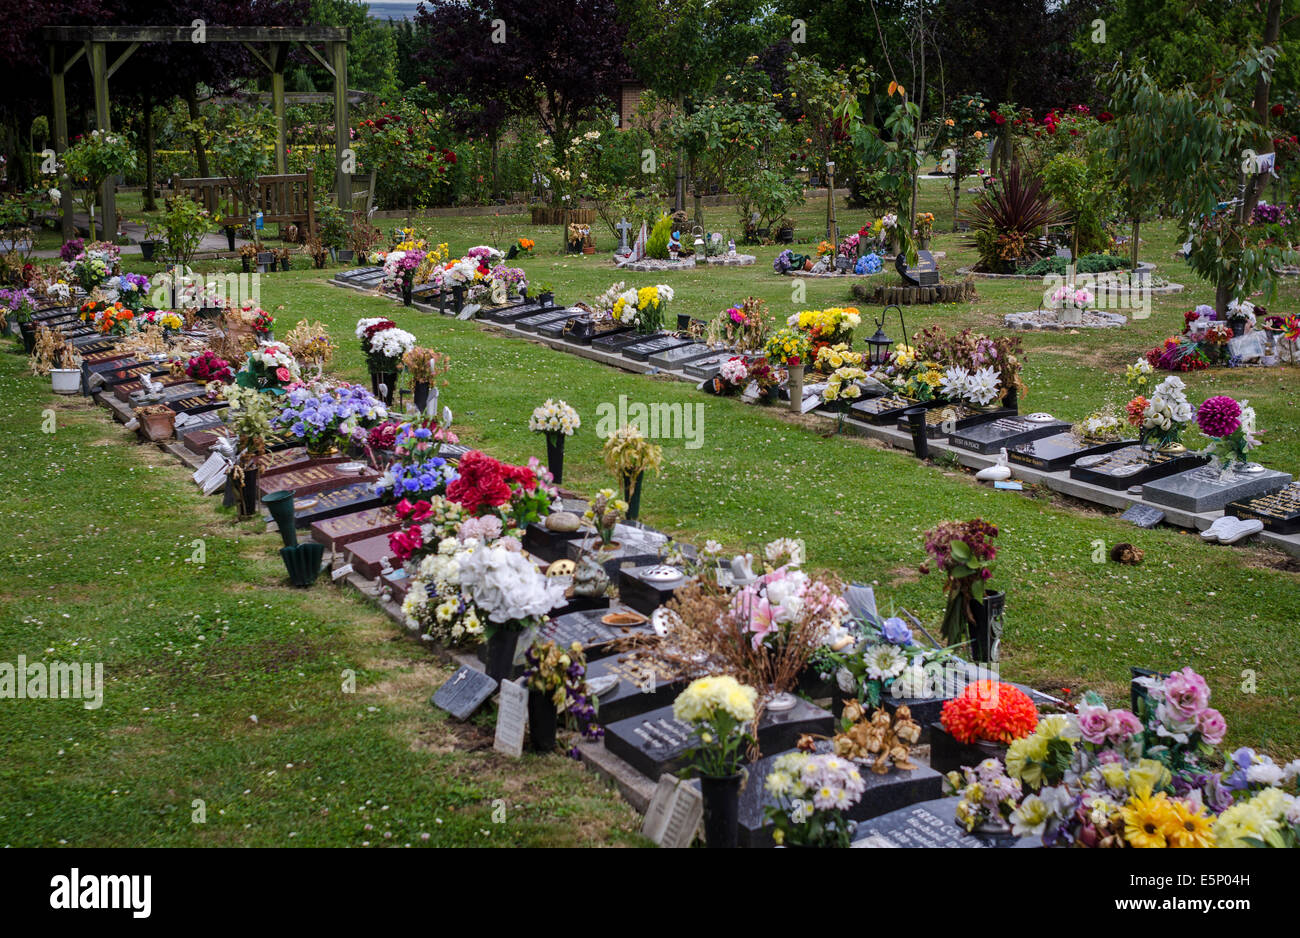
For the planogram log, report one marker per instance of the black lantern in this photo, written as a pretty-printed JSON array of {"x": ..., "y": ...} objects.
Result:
[{"x": 881, "y": 343}]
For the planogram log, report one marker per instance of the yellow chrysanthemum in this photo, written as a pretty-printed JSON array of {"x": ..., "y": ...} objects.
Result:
[{"x": 1147, "y": 820}]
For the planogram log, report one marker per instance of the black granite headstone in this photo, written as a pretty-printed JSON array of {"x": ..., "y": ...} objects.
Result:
[
  {"x": 1280, "y": 511},
  {"x": 929, "y": 824},
  {"x": 949, "y": 418},
  {"x": 1132, "y": 465},
  {"x": 641, "y": 351},
  {"x": 1007, "y": 433},
  {"x": 1059, "y": 451},
  {"x": 642, "y": 686},
  {"x": 336, "y": 502},
  {"x": 887, "y": 408}
]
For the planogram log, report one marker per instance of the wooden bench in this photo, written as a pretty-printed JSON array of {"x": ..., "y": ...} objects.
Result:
[{"x": 286, "y": 199}]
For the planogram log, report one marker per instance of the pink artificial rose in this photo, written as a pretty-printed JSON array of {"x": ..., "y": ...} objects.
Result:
[
  {"x": 1185, "y": 695},
  {"x": 1121, "y": 724},
  {"x": 1212, "y": 726},
  {"x": 283, "y": 374},
  {"x": 1109, "y": 755},
  {"x": 1093, "y": 724}
]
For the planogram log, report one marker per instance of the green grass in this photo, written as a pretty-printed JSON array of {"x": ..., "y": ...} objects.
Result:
[{"x": 97, "y": 532}]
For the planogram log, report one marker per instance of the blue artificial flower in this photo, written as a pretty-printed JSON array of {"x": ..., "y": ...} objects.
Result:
[{"x": 896, "y": 631}]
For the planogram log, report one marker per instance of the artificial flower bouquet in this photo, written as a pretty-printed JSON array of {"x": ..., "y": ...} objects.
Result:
[
  {"x": 166, "y": 320},
  {"x": 848, "y": 246},
  {"x": 116, "y": 320},
  {"x": 731, "y": 377},
  {"x": 923, "y": 224},
  {"x": 207, "y": 367},
  {"x": 1065, "y": 295},
  {"x": 263, "y": 322},
  {"x": 323, "y": 415},
  {"x": 486, "y": 486},
  {"x": 643, "y": 309},
  {"x": 989, "y": 711},
  {"x": 981, "y": 370},
  {"x": 554, "y": 418},
  {"x": 269, "y": 367},
  {"x": 604, "y": 512},
  {"x": 978, "y": 388},
  {"x": 506, "y": 282},
  {"x": 766, "y": 377},
  {"x": 416, "y": 479},
  {"x": 812, "y": 792},
  {"x": 425, "y": 366},
  {"x": 131, "y": 289},
  {"x": 310, "y": 344},
  {"x": 1230, "y": 425},
  {"x": 872, "y": 660},
  {"x": 964, "y": 552},
  {"x": 1103, "y": 426},
  {"x": 423, "y": 437},
  {"x": 1179, "y": 353},
  {"x": 507, "y": 587},
  {"x": 788, "y": 347},
  {"x": 830, "y": 326},
  {"x": 628, "y": 454},
  {"x": 383, "y": 343},
  {"x": 426, "y": 523},
  {"x": 825, "y": 249},
  {"x": 561, "y": 675},
  {"x": 1138, "y": 377},
  {"x": 743, "y": 328},
  {"x": 986, "y": 796},
  {"x": 720, "y": 711},
  {"x": 1162, "y": 419}
]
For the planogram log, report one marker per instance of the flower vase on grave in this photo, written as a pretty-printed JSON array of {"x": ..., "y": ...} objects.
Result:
[
  {"x": 407, "y": 287},
  {"x": 501, "y": 652},
  {"x": 541, "y": 721},
  {"x": 303, "y": 562},
  {"x": 986, "y": 631},
  {"x": 230, "y": 240},
  {"x": 555, "y": 456},
  {"x": 721, "y": 796},
  {"x": 632, "y": 495},
  {"x": 894, "y": 242},
  {"x": 280, "y": 505},
  {"x": 458, "y": 298},
  {"x": 421, "y": 395},
  {"x": 246, "y": 491},
  {"x": 795, "y": 385}
]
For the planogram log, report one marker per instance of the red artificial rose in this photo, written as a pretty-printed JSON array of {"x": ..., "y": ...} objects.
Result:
[{"x": 1277, "y": 110}]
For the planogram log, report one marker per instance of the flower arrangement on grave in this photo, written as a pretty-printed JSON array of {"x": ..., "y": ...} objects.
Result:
[
  {"x": 1138, "y": 376},
  {"x": 788, "y": 347},
  {"x": 923, "y": 225},
  {"x": 871, "y": 660},
  {"x": 766, "y": 377},
  {"x": 721, "y": 712},
  {"x": 825, "y": 249},
  {"x": 166, "y": 320},
  {"x": 507, "y": 587},
  {"x": 263, "y": 322},
  {"x": 629, "y": 455},
  {"x": 310, "y": 344},
  {"x": 557, "y": 420},
  {"x": 643, "y": 309},
  {"x": 964, "y": 552},
  {"x": 383, "y": 344},
  {"x": 207, "y": 367},
  {"x": 15, "y": 306},
  {"x": 425, "y": 369},
  {"x": 92, "y": 268},
  {"x": 848, "y": 246},
  {"x": 1231, "y": 427},
  {"x": 131, "y": 289},
  {"x": 423, "y": 436},
  {"x": 1065, "y": 295},
  {"x": 978, "y": 388},
  {"x": 743, "y": 328},
  {"x": 427, "y": 523},
  {"x": 1101, "y": 426},
  {"x": 731, "y": 377},
  {"x": 1162, "y": 419},
  {"x": 884, "y": 740},
  {"x": 269, "y": 367},
  {"x": 116, "y": 320},
  {"x": 324, "y": 415},
  {"x": 843, "y": 384},
  {"x": 812, "y": 794},
  {"x": 249, "y": 415},
  {"x": 604, "y": 512},
  {"x": 830, "y": 326},
  {"x": 869, "y": 263},
  {"x": 506, "y": 281},
  {"x": 1179, "y": 353},
  {"x": 52, "y": 351},
  {"x": 416, "y": 479},
  {"x": 981, "y": 357},
  {"x": 989, "y": 711},
  {"x": 986, "y": 796},
  {"x": 513, "y": 493},
  {"x": 560, "y": 676},
  {"x": 603, "y": 305}
]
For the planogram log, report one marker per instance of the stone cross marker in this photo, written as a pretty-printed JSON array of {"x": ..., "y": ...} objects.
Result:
[{"x": 623, "y": 227}]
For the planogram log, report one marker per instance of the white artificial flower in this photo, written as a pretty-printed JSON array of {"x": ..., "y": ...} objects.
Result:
[
  {"x": 884, "y": 661},
  {"x": 982, "y": 386},
  {"x": 954, "y": 383}
]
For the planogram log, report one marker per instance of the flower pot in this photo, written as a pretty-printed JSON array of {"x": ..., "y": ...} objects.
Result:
[
  {"x": 795, "y": 387},
  {"x": 346, "y": 255},
  {"x": 386, "y": 378},
  {"x": 421, "y": 395},
  {"x": 458, "y": 298},
  {"x": 545, "y": 299},
  {"x": 986, "y": 633},
  {"x": 589, "y": 249},
  {"x": 407, "y": 287},
  {"x": 28, "y": 332},
  {"x": 785, "y": 236},
  {"x": 65, "y": 380},
  {"x": 302, "y": 562},
  {"x": 156, "y": 427},
  {"x": 541, "y": 721},
  {"x": 501, "y": 653},
  {"x": 923, "y": 243},
  {"x": 245, "y": 262},
  {"x": 147, "y": 249},
  {"x": 721, "y": 796},
  {"x": 1238, "y": 326},
  {"x": 634, "y": 498},
  {"x": 683, "y": 321},
  {"x": 920, "y": 433},
  {"x": 230, "y": 239},
  {"x": 555, "y": 455},
  {"x": 280, "y": 505},
  {"x": 284, "y": 264}
]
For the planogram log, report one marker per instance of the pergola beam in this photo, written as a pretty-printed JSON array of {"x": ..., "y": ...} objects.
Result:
[{"x": 186, "y": 34}]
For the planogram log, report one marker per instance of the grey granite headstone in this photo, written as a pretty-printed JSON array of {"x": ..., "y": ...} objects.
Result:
[
  {"x": 1204, "y": 489},
  {"x": 1006, "y": 433},
  {"x": 464, "y": 692},
  {"x": 710, "y": 365},
  {"x": 677, "y": 357},
  {"x": 1143, "y": 516}
]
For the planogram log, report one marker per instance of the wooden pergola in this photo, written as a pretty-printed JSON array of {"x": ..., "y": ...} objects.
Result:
[{"x": 68, "y": 44}]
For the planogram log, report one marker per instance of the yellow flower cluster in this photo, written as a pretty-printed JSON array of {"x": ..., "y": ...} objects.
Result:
[
  {"x": 904, "y": 356},
  {"x": 1158, "y": 821},
  {"x": 1259, "y": 818},
  {"x": 828, "y": 321},
  {"x": 837, "y": 356},
  {"x": 843, "y": 383},
  {"x": 647, "y": 298},
  {"x": 706, "y": 696},
  {"x": 1025, "y": 757}
]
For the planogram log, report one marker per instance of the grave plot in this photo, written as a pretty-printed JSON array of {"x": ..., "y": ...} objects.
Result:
[{"x": 1132, "y": 465}]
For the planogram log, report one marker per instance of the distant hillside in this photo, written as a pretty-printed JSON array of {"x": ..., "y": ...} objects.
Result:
[{"x": 392, "y": 11}]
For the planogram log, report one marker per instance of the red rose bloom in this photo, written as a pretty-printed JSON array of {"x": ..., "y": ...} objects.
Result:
[{"x": 481, "y": 483}]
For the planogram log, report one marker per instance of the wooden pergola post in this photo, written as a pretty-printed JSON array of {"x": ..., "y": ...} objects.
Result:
[
  {"x": 59, "y": 63},
  {"x": 279, "y": 56},
  {"x": 99, "y": 81},
  {"x": 342, "y": 137}
]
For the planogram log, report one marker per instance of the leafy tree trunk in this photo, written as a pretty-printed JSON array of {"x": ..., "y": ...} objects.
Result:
[
  {"x": 495, "y": 164},
  {"x": 192, "y": 102},
  {"x": 1133, "y": 248}
]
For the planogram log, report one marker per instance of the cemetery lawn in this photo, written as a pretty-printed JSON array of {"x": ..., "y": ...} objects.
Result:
[{"x": 221, "y": 682}]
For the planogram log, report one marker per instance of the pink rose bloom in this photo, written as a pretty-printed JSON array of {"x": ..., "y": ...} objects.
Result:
[
  {"x": 283, "y": 374},
  {"x": 1121, "y": 724},
  {"x": 1109, "y": 755},
  {"x": 1093, "y": 724},
  {"x": 1212, "y": 726},
  {"x": 1185, "y": 695}
]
